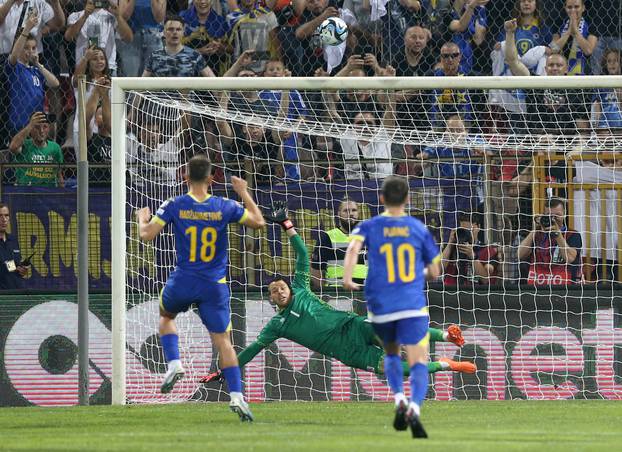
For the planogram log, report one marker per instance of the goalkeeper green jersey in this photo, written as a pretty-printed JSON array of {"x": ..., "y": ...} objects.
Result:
[{"x": 310, "y": 322}]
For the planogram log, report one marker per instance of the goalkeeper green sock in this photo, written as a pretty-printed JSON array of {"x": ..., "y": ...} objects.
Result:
[
  {"x": 433, "y": 366},
  {"x": 436, "y": 335}
]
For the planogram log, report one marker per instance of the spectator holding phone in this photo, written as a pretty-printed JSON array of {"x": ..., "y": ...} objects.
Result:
[
  {"x": 50, "y": 13},
  {"x": 26, "y": 76},
  {"x": 351, "y": 103},
  {"x": 95, "y": 65},
  {"x": 31, "y": 145},
  {"x": 12, "y": 268},
  {"x": 96, "y": 26},
  {"x": 316, "y": 12},
  {"x": 552, "y": 250},
  {"x": 98, "y": 132}
]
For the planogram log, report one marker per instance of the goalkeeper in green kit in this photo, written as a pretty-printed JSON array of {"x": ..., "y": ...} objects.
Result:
[{"x": 304, "y": 318}]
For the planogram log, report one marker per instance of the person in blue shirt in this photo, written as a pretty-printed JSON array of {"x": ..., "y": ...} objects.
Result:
[
  {"x": 531, "y": 31},
  {"x": 401, "y": 252},
  {"x": 448, "y": 102},
  {"x": 175, "y": 59},
  {"x": 607, "y": 111},
  {"x": 458, "y": 162},
  {"x": 145, "y": 18},
  {"x": 207, "y": 32},
  {"x": 27, "y": 77},
  {"x": 461, "y": 164},
  {"x": 297, "y": 110},
  {"x": 574, "y": 39},
  {"x": 200, "y": 223},
  {"x": 469, "y": 27}
]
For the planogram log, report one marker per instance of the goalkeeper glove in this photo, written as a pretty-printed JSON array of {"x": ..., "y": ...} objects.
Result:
[
  {"x": 278, "y": 214},
  {"x": 214, "y": 376}
]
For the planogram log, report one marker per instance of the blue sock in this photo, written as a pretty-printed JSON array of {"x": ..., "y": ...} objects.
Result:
[
  {"x": 418, "y": 383},
  {"x": 393, "y": 372},
  {"x": 170, "y": 344},
  {"x": 234, "y": 378}
]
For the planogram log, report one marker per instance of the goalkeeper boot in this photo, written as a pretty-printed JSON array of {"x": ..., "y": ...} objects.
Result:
[
  {"x": 399, "y": 423},
  {"x": 175, "y": 373},
  {"x": 416, "y": 427},
  {"x": 454, "y": 335},
  {"x": 239, "y": 406},
  {"x": 465, "y": 367}
]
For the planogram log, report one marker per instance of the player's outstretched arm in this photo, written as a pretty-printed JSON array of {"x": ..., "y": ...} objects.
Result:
[
  {"x": 254, "y": 218},
  {"x": 267, "y": 336},
  {"x": 244, "y": 357},
  {"x": 453, "y": 335},
  {"x": 279, "y": 214},
  {"x": 147, "y": 228}
]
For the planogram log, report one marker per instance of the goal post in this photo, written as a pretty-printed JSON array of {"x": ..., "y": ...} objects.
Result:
[
  {"x": 139, "y": 318},
  {"x": 119, "y": 234}
]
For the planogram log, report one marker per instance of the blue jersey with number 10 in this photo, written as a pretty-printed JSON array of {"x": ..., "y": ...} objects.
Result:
[
  {"x": 398, "y": 250},
  {"x": 200, "y": 229}
]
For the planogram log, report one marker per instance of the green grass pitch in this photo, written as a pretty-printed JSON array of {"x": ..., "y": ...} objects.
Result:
[{"x": 283, "y": 426}]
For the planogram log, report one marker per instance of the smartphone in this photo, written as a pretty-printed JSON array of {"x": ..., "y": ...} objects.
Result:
[
  {"x": 93, "y": 41},
  {"x": 100, "y": 3}
]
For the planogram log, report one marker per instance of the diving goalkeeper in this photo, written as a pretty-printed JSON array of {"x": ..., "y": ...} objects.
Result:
[{"x": 304, "y": 318}]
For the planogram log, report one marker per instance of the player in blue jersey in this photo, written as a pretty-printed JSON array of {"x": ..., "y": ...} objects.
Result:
[
  {"x": 200, "y": 223},
  {"x": 401, "y": 251}
]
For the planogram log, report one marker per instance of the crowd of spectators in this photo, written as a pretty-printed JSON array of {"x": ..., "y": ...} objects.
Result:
[{"x": 46, "y": 44}]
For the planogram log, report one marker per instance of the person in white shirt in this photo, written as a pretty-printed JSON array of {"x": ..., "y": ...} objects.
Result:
[
  {"x": 374, "y": 143},
  {"x": 152, "y": 162},
  {"x": 51, "y": 18},
  {"x": 97, "y": 26}
]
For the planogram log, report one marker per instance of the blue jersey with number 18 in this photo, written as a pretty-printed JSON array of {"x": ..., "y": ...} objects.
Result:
[
  {"x": 398, "y": 250},
  {"x": 200, "y": 229}
]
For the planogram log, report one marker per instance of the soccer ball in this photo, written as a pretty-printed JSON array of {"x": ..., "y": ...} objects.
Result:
[{"x": 333, "y": 31}]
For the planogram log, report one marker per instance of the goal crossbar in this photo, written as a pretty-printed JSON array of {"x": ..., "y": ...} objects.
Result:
[{"x": 380, "y": 83}]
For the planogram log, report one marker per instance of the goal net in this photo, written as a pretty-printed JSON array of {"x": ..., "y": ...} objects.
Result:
[{"x": 519, "y": 180}]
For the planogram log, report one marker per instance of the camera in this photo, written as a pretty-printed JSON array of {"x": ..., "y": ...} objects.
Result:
[
  {"x": 463, "y": 235},
  {"x": 546, "y": 221},
  {"x": 50, "y": 118}
]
